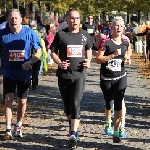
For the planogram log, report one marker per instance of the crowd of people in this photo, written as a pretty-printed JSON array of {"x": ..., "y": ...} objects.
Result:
[{"x": 29, "y": 44}]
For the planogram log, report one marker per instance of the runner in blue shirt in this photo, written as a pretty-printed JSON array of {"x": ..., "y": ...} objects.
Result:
[{"x": 16, "y": 42}]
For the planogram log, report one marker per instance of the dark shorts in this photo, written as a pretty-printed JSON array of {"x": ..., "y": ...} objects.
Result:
[{"x": 10, "y": 85}]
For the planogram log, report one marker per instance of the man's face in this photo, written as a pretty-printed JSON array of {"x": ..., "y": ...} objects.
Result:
[
  {"x": 73, "y": 20},
  {"x": 107, "y": 24},
  {"x": 96, "y": 21},
  {"x": 90, "y": 19},
  {"x": 14, "y": 20}
]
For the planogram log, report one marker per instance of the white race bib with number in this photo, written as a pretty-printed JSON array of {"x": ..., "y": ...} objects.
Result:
[
  {"x": 90, "y": 31},
  {"x": 74, "y": 50},
  {"x": 16, "y": 55},
  {"x": 114, "y": 64}
]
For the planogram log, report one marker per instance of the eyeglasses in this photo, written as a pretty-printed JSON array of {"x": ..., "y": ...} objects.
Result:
[{"x": 90, "y": 18}]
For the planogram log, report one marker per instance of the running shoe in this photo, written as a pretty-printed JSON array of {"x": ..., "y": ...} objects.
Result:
[
  {"x": 17, "y": 131},
  {"x": 72, "y": 141},
  {"x": 108, "y": 130},
  {"x": 116, "y": 139},
  {"x": 8, "y": 135},
  {"x": 122, "y": 132}
]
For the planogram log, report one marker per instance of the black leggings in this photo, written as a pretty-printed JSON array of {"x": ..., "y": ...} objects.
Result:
[
  {"x": 71, "y": 92},
  {"x": 113, "y": 90}
]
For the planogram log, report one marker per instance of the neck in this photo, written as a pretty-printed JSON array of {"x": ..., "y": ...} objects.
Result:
[
  {"x": 71, "y": 30},
  {"x": 90, "y": 23},
  {"x": 116, "y": 37},
  {"x": 16, "y": 30}
]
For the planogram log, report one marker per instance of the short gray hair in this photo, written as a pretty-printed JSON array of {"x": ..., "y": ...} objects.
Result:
[
  {"x": 69, "y": 11},
  {"x": 117, "y": 18},
  {"x": 14, "y": 10}
]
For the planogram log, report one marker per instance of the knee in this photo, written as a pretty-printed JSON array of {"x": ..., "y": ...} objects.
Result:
[
  {"x": 22, "y": 103},
  {"x": 9, "y": 98},
  {"x": 109, "y": 104}
]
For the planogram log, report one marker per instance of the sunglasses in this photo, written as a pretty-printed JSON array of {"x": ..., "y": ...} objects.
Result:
[{"x": 90, "y": 18}]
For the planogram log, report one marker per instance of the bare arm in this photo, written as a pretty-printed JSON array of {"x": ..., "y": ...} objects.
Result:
[
  {"x": 62, "y": 64},
  {"x": 100, "y": 58},
  {"x": 88, "y": 57},
  {"x": 129, "y": 50},
  {"x": 98, "y": 40},
  {"x": 28, "y": 65},
  {"x": 88, "y": 54},
  {"x": 55, "y": 58},
  {"x": 36, "y": 56}
]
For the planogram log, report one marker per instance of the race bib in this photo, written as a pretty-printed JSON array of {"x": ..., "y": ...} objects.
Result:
[
  {"x": 90, "y": 31},
  {"x": 74, "y": 50},
  {"x": 114, "y": 64},
  {"x": 16, "y": 55}
]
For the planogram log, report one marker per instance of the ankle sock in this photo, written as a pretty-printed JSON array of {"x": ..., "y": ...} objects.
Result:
[
  {"x": 122, "y": 125},
  {"x": 109, "y": 123},
  {"x": 116, "y": 133},
  {"x": 19, "y": 124},
  {"x": 8, "y": 127}
]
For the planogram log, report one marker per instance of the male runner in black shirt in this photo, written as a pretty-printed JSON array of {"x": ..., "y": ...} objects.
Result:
[
  {"x": 71, "y": 50},
  {"x": 91, "y": 28}
]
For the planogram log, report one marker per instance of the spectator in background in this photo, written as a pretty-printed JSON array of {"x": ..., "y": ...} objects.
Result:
[
  {"x": 128, "y": 32},
  {"x": 39, "y": 22},
  {"x": 99, "y": 26},
  {"x": 106, "y": 28},
  {"x": 32, "y": 15},
  {"x": 25, "y": 21},
  {"x": 43, "y": 58},
  {"x": 144, "y": 29},
  {"x": 49, "y": 38},
  {"x": 135, "y": 30},
  {"x": 62, "y": 23},
  {"x": 4, "y": 21}
]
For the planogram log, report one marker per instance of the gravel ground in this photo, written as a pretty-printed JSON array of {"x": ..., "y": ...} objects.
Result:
[{"x": 45, "y": 126}]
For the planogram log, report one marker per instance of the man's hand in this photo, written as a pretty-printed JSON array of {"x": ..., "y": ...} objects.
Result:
[
  {"x": 127, "y": 59},
  {"x": 63, "y": 65},
  {"x": 86, "y": 63},
  {"x": 26, "y": 65}
]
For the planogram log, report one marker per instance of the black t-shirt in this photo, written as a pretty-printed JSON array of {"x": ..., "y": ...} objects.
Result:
[
  {"x": 72, "y": 47},
  {"x": 148, "y": 37},
  {"x": 114, "y": 67},
  {"x": 91, "y": 29}
]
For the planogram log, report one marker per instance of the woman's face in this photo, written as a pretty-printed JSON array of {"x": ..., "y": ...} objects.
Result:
[{"x": 118, "y": 27}]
